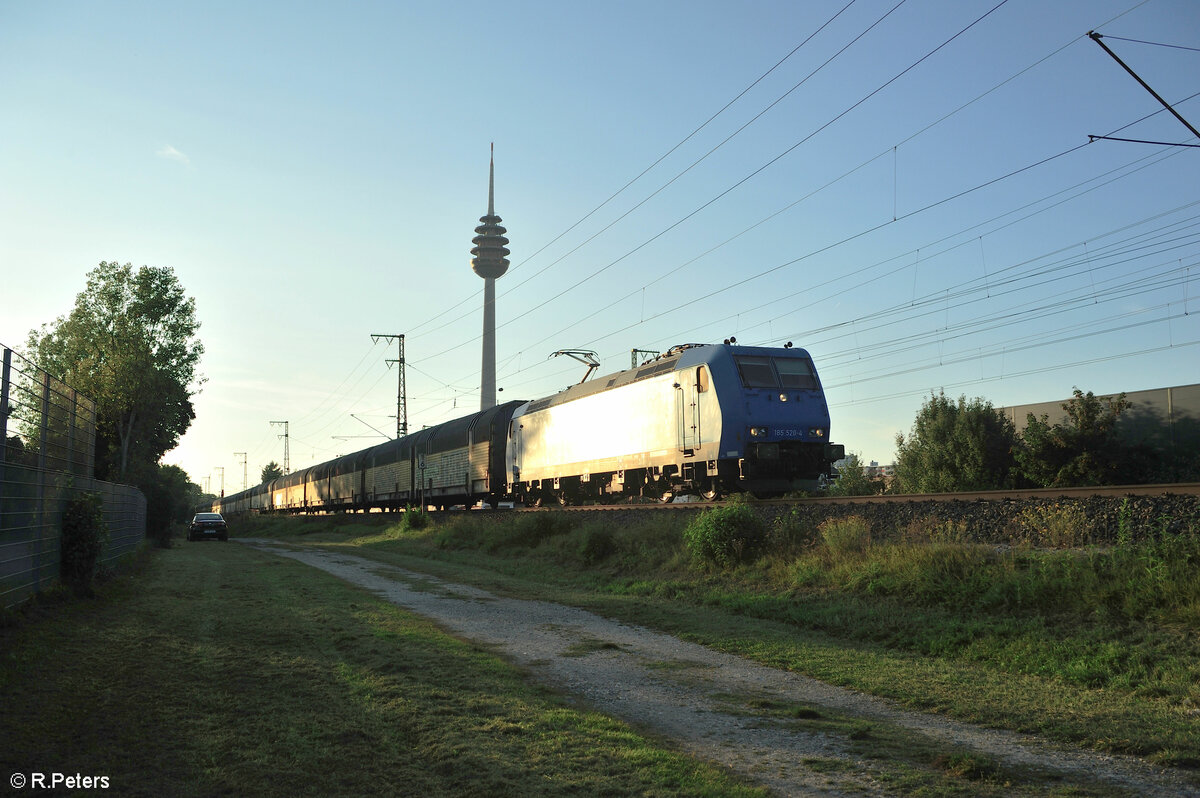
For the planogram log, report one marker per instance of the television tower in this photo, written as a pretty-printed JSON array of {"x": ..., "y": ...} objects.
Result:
[{"x": 490, "y": 263}]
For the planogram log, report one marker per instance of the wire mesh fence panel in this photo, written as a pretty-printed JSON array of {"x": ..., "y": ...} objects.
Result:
[{"x": 47, "y": 458}]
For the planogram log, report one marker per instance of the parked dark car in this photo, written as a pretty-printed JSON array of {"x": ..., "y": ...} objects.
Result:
[{"x": 208, "y": 525}]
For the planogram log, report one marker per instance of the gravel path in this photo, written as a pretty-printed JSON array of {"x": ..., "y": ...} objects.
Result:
[{"x": 688, "y": 693}]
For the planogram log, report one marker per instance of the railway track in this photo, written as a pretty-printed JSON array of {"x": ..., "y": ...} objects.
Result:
[{"x": 1109, "y": 491}]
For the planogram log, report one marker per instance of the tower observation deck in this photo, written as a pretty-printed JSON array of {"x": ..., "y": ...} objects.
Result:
[{"x": 490, "y": 262}]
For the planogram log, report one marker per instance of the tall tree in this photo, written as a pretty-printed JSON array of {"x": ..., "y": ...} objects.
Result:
[
  {"x": 130, "y": 344},
  {"x": 956, "y": 446}
]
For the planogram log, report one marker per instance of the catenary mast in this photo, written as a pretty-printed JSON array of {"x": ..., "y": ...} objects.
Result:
[{"x": 490, "y": 262}]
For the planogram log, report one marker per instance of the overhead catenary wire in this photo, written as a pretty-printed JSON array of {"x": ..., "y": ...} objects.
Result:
[
  {"x": 415, "y": 329},
  {"x": 511, "y": 288},
  {"x": 926, "y": 128},
  {"x": 523, "y": 343},
  {"x": 939, "y": 295},
  {"x": 597, "y": 272}
]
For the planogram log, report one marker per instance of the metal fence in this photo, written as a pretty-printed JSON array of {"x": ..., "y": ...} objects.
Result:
[{"x": 47, "y": 455}]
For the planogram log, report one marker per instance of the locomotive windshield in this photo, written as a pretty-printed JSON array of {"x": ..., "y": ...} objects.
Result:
[
  {"x": 776, "y": 372},
  {"x": 756, "y": 372},
  {"x": 796, "y": 373}
]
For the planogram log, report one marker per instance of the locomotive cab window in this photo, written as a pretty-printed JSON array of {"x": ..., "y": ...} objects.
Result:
[
  {"x": 796, "y": 373},
  {"x": 756, "y": 372}
]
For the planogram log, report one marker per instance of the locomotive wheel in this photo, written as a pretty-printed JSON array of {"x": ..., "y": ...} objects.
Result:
[
  {"x": 667, "y": 496},
  {"x": 711, "y": 494}
]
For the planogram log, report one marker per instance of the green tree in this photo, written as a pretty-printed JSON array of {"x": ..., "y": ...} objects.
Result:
[
  {"x": 853, "y": 479},
  {"x": 271, "y": 471},
  {"x": 130, "y": 344},
  {"x": 1085, "y": 449},
  {"x": 956, "y": 446},
  {"x": 171, "y": 498}
]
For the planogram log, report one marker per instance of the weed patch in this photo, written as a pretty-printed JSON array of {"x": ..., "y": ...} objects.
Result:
[{"x": 1058, "y": 526}]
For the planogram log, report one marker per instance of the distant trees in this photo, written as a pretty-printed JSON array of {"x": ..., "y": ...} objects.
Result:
[
  {"x": 969, "y": 445},
  {"x": 129, "y": 344},
  {"x": 271, "y": 471},
  {"x": 853, "y": 479},
  {"x": 171, "y": 498},
  {"x": 955, "y": 446}
]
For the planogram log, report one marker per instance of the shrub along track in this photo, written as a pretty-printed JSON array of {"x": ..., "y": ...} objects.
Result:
[{"x": 791, "y": 733}]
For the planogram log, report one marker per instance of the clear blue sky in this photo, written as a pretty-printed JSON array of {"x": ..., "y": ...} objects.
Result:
[{"x": 313, "y": 172}]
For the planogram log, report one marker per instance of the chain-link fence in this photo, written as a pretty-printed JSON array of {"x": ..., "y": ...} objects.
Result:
[{"x": 47, "y": 458}]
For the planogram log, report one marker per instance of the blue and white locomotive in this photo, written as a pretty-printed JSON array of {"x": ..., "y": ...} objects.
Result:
[{"x": 700, "y": 418}]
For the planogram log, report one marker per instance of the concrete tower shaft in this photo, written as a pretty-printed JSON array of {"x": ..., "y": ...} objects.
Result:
[{"x": 490, "y": 262}]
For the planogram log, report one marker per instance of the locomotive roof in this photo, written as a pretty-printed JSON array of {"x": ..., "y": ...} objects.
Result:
[{"x": 668, "y": 361}]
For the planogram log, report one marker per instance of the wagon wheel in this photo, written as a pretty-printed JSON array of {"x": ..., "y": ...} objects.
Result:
[{"x": 667, "y": 496}]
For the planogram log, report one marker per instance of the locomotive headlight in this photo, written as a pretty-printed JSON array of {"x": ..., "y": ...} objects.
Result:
[
  {"x": 817, "y": 432},
  {"x": 758, "y": 432},
  {"x": 783, "y": 397}
]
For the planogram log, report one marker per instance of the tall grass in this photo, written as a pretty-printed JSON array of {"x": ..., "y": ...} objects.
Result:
[
  {"x": 1085, "y": 618},
  {"x": 1158, "y": 579}
]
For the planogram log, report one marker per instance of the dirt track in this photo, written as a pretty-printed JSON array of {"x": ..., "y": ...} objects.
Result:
[{"x": 681, "y": 691}]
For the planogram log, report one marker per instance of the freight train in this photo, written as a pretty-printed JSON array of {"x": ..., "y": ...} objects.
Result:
[{"x": 703, "y": 419}]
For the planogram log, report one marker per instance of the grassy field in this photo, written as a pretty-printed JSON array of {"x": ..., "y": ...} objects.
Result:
[
  {"x": 1095, "y": 647},
  {"x": 212, "y": 669}
]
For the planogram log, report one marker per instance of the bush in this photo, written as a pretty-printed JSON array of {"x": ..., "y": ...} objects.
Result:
[
  {"x": 597, "y": 544},
  {"x": 791, "y": 533},
  {"x": 83, "y": 536},
  {"x": 415, "y": 519},
  {"x": 726, "y": 536}
]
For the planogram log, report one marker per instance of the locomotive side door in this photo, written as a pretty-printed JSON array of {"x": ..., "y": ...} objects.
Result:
[
  {"x": 514, "y": 434},
  {"x": 692, "y": 390}
]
